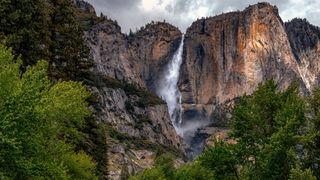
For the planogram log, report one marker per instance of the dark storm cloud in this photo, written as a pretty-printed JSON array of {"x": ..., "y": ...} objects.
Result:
[{"x": 131, "y": 14}]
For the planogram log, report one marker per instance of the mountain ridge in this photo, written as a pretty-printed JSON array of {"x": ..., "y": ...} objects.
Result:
[{"x": 224, "y": 57}]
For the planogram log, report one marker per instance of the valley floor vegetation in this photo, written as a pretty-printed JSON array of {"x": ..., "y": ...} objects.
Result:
[
  {"x": 277, "y": 135},
  {"x": 40, "y": 123}
]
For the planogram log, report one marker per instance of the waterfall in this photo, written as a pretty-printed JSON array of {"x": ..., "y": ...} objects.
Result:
[{"x": 169, "y": 90}]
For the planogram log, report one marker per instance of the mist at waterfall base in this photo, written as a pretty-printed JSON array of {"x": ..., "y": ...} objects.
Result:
[{"x": 168, "y": 90}]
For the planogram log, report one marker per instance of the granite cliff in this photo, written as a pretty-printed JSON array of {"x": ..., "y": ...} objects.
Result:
[
  {"x": 136, "y": 58},
  {"x": 305, "y": 42},
  {"x": 224, "y": 57},
  {"x": 228, "y": 55},
  {"x": 121, "y": 81}
]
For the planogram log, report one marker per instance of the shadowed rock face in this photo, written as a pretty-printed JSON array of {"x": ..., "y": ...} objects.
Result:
[
  {"x": 85, "y": 7},
  {"x": 137, "y": 58},
  {"x": 302, "y": 35},
  {"x": 228, "y": 55},
  {"x": 305, "y": 42},
  {"x": 139, "y": 120}
]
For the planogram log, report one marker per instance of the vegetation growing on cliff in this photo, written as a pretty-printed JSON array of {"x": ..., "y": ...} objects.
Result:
[{"x": 277, "y": 138}]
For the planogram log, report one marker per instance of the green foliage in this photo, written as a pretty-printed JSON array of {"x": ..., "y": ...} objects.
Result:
[
  {"x": 40, "y": 123},
  {"x": 164, "y": 169},
  {"x": 312, "y": 159},
  {"x": 69, "y": 52},
  {"x": 24, "y": 27},
  {"x": 146, "y": 98},
  {"x": 154, "y": 173},
  {"x": 140, "y": 120},
  {"x": 45, "y": 29},
  {"x": 166, "y": 163},
  {"x": 298, "y": 174},
  {"x": 79, "y": 165},
  {"x": 221, "y": 160},
  {"x": 268, "y": 127},
  {"x": 193, "y": 172},
  {"x": 138, "y": 143},
  {"x": 95, "y": 144},
  {"x": 129, "y": 107}
]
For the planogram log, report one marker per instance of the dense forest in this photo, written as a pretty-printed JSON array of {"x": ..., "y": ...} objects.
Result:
[
  {"x": 47, "y": 131},
  {"x": 45, "y": 125}
]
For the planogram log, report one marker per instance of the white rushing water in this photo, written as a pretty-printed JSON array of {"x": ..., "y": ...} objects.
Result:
[{"x": 169, "y": 90}]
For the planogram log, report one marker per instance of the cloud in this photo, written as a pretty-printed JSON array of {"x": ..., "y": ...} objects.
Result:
[{"x": 132, "y": 14}]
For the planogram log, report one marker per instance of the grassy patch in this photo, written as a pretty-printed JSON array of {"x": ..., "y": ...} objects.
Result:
[
  {"x": 146, "y": 98},
  {"x": 99, "y": 80},
  {"x": 139, "y": 143},
  {"x": 140, "y": 120}
]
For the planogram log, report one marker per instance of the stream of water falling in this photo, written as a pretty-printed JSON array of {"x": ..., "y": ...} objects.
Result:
[{"x": 169, "y": 90}]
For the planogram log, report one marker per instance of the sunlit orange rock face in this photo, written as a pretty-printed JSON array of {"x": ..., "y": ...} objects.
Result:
[{"x": 228, "y": 55}]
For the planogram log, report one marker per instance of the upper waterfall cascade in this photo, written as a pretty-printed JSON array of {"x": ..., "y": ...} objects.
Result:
[{"x": 169, "y": 90}]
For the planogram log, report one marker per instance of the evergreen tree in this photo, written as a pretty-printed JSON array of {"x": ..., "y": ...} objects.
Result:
[
  {"x": 312, "y": 157},
  {"x": 268, "y": 127},
  {"x": 24, "y": 26},
  {"x": 221, "y": 160},
  {"x": 69, "y": 57},
  {"x": 45, "y": 29}
]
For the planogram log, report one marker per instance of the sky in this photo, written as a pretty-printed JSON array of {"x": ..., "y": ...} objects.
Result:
[{"x": 132, "y": 14}]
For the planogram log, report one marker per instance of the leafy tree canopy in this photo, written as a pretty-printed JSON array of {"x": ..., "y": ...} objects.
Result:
[{"x": 40, "y": 123}]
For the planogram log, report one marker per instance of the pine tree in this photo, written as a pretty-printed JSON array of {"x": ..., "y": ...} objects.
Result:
[
  {"x": 313, "y": 158},
  {"x": 24, "y": 27},
  {"x": 45, "y": 30},
  {"x": 69, "y": 53},
  {"x": 268, "y": 126}
]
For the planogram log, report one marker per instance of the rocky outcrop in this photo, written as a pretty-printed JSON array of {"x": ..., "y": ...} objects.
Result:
[
  {"x": 228, "y": 55},
  {"x": 126, "y": 66},
  {"x": 138, "y": 124},
  {"x": 134, "y": 61},
  {"x": 125, "y": 69},
  {"x": 137, "y": 58},
  {"x": 85, "y": 7},
  {"x": 305, "y": 42}
]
